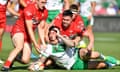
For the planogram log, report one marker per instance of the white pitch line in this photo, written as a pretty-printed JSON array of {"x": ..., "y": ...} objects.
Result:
[{"x": 105, "y": 39}]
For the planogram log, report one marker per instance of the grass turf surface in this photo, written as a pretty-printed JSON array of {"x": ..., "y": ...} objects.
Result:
[{"x": 106, "y": 43}]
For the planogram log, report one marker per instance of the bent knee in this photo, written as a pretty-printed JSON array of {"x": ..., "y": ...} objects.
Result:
[
  {"x": 25, "y": 61},
  {"x": 101, "y": 65}
]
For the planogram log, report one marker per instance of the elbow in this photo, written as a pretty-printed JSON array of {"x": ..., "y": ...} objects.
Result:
[{"x": 72, "y": 44}]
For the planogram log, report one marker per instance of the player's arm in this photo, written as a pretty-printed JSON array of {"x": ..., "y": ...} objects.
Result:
[
  {"x": 68, "y": 42},
  {"x": 76, "y": 40},
  {"x": 41, "y": 31},
  {"x": 93, "y": 5},
  {"x": 12, "y": 11},
  {"x": 90, "y": 36},
  {"x": 66, "y": 4},
  {"x": 28, "y": 19},
  {"x": 38, "y": 65},
  {"x": 31, "y": 32},
  {"x": 22, "y": 2}
]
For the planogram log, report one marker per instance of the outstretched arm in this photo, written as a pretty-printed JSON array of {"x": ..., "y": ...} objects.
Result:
[
  {"x": 38, "y": 65},
  {"x": 90, "y": 36},
  {"x": 66, "y": 4},
  {"x": 31, "y": 33},
  {"x": 93, "y": 5},
  {"x": 41, "y": 32},
  {"x": 12, "y": 11},
  {"x": 67, "y": 41}
]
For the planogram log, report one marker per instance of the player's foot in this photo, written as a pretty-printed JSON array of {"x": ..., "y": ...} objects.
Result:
[
  {"x": 112, "y": 60},
  {"x": 1, "y": 62},
  {"x": 5, "y": 69},
  {"x": 109, "y": 65}
]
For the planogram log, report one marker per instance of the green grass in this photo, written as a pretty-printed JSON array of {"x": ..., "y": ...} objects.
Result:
[{"x": 106, "y": 43}]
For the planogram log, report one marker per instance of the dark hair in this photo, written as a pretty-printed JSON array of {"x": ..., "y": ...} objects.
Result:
[
  {"x": 73, "y": 6},
  {"x": 54, "y": 28},
  {"x": 68, "y": 13}
]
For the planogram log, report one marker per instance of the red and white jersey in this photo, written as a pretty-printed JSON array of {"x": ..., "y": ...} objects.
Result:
[
  {"x": 76, "y": 27},
  {"x": 3, "y": 5}
]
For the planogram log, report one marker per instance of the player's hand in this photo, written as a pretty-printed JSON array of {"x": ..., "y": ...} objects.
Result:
[
  {"x": 90, "y": 46},
  {"x": 89, "y": 17},
  {"x": 58, "y": 32},
  {"x": 37, "y": 47},
  {"x": 42, "y": 47}
]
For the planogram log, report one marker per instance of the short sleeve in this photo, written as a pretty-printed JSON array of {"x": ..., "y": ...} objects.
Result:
[
  {"x": 45, "y": 14},
  {"x": 28, "y": 14},
  {"x": 57, "y": 20},
  {"x": 48, "y": 51}
]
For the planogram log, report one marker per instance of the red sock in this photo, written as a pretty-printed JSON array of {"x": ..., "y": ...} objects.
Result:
[
  {"x": 0, "y": 45},
  {"x": 7, "y": 63}
]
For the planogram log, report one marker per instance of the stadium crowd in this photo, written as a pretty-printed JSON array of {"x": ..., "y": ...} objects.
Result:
[{"x": 61, "y": 26}]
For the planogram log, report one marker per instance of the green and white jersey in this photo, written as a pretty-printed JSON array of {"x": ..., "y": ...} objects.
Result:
[
  {"x": 85, "y": 7},
  {"x": 54, "y": 4},
  {"x": 63, "y": 56}
]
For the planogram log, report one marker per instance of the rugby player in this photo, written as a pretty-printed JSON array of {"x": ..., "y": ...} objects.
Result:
[{"x": 23, "y": 32}]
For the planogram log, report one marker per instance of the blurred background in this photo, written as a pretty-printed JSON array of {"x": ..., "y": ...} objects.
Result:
[
  {"x": 107, "y": 15},
  {"x": 103, "y": 7}
]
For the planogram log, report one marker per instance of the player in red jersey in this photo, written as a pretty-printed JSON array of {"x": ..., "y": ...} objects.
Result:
[
  {"x": 23, "y": 4},
  {"x": 23, "y": 32},
  {"x": 70, "y": 28},
  {"x": 4, "y": 5}
]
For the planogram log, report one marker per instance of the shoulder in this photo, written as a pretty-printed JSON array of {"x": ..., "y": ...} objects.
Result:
[
  {"x": 79, "y": 17},
  {"x": 58, "y": 20},
  {"x": 29, "y": 10},
  {"x": 59, "y": 16},
  {"x": 45, "y": 11},
  {"x": 30, "y": 7}
]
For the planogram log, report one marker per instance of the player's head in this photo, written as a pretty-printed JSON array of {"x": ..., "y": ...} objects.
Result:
[
  {"x": 52, "y": 34},
  {"x": 41, "y": 3},
  {"x": 67, "y": 18},
  {"x": 74, "y": 9}
]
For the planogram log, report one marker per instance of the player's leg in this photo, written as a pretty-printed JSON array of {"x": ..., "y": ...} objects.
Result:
[
  {"x": 26, "y": 53},
  {"x": 107, "y": 59},
  {"x": 86, "y": 55},
  {"x": 96, "y": 65},
  {"x": 18, "y": 41},
  {"x": 1, "y": 34},
  {"x": 2, "y": 27}
]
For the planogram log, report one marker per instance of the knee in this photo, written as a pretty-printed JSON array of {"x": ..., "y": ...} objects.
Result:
[
  {"x": 101, "y": 65},
  {"x": 25, "y": 61},
  {"x": 18, "y": 49}
]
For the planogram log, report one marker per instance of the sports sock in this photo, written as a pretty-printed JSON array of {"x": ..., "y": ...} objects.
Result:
[
  {"x": 110, "y": 64},
  {"x": 7, "y": 64}
]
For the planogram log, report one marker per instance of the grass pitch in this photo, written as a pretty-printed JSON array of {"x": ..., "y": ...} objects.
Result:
[{"x": 106, "y": 43}]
